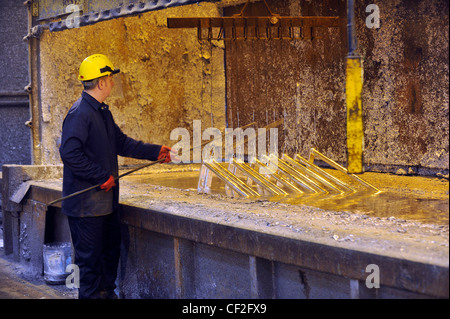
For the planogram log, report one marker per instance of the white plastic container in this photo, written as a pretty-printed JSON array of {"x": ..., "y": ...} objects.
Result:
[{"x": 56, "y": 258}]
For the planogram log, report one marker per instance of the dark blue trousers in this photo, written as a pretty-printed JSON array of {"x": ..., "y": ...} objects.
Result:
[{"x": 96, "y": 241}]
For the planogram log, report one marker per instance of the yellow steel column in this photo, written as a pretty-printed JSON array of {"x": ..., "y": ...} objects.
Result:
[
  {"x": 355, "y": 130},
  {"x": 353, "y": 89}
]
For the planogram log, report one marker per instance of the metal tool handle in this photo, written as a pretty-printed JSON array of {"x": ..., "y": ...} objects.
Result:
[{"x": 115, "y": 179}]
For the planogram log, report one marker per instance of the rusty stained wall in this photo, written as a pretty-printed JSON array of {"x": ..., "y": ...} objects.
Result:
[
  {"x": 299, "y": 81},
  {"x": 167, "y": 80},
  {"x": 405, "y": 94},
  {"x": 406, "y": 74}
]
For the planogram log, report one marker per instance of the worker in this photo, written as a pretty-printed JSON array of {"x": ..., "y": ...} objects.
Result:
[{"x": 90, "y": 144}]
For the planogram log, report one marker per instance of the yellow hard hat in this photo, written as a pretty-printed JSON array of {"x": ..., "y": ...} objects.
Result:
[{"x": 95, "y": 66}]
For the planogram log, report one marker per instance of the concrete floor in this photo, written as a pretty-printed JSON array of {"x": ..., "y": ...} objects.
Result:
[{"x": 16, "y": 283}]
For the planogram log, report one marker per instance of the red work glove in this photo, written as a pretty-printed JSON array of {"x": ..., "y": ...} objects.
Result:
[
  {"x": 108, "y": 184},
  {"x": 165, "y": 152}
]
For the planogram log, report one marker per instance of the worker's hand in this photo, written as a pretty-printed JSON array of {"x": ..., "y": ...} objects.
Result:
[
  {"x": 165, "y": 152},
  {"x": 108, "y": 184}
]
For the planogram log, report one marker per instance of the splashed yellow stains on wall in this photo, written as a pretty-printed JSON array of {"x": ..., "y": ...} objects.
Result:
[
  {"x": 162, "y": 85},
  {"x": 168, "y": 79}
]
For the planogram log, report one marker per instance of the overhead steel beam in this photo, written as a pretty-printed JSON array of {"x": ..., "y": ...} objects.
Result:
[{"x": 52, "y": 14}]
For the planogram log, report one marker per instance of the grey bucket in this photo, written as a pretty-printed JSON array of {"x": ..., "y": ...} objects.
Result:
[{"x": 57, "y": 256}]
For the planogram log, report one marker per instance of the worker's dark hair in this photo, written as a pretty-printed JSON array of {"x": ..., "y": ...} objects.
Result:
[{"x": 88, "y": 85}]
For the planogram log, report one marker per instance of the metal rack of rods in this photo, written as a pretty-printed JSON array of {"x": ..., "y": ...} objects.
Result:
[{"x": 273, "y": 176}]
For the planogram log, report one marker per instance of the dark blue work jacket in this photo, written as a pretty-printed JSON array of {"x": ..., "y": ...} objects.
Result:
[{"x": 90, "y": 143}]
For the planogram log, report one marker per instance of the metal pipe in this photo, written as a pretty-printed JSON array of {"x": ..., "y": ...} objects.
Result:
[
  {"x": 33, "y": 88},
  {"x": 299, "y": 178},
  {"x": 230, "y": 180},
  {"x": 279, "y": 178},
  {"x": 14, "y": 103},
  {"x": 352, "y": 44},
  {"x": 96, "y": 186},
  {"x": 332, "y": 163},
  {"x": 12, "y": 93},
  {"x": 306, "y": 184},
  {"x": 311, "y": 174},
  {"x": 258, "y": 178},
  {"x": 353, "y": 92},
  {"x": 323, "y": 173}
]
